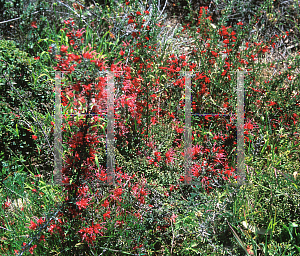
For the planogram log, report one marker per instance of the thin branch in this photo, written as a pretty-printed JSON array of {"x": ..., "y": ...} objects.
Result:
[
  {"x": 15, "y": 18},
  {"x": 6, "y": 229}
]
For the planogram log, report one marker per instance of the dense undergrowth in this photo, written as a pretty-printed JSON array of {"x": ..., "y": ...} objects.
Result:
[{"x": 150, "y": 210}]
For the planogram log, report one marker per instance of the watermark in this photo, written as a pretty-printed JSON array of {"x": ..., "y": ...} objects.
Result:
[
  {"x": 58, "y": 151},
  {"x": 239, "y": 124}
]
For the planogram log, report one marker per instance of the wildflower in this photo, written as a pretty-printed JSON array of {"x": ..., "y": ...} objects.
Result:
[
  {"x": 169, "y": 156},
  {"x": 153, "y": 120},
  {"x": 33, "y": 225},
  {"x": 214, "y": 54},
  {"x": 83, "y": 203},
  {"x": 173, "y": 218},
  {"x": 105, "y": 204},
  {"x": 42, "y": 238},
  {"x": 32, "y": 248},
  {"x": 64, "y": 48},
  {"x": 118, "y": 192},
  {"x": 33, "y": 24},
  {"x": 6, "y": 204},
  {"x": 79, "y": 33},
  {"x": 157, "y": 154},
  {"x": 34, "y": 137},
  {"x": 106, "y": 215},
  {"x": 151, "y": 161},
  {"x": 272, "y": 103}
]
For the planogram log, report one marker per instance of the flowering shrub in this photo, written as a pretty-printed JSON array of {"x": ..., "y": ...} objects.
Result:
[{"x": 131, "y": 215}]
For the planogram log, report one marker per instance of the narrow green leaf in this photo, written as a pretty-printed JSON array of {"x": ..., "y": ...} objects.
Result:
[
  {"x": 238, "y": 239},
  {"x": 97, "y": 162}
]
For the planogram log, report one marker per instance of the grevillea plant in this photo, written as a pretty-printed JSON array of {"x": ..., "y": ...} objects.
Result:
[
  {"x": 88, "y": 205},
  {"x": 92, "y": 210}
]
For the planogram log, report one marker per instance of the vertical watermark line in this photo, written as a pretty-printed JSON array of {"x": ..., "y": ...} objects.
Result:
[
  {"x": 110, "y": 129},
  {"x": 57, "y": 175},
  {"x": 188, "y": 130},
  {"x": 240, "y": 127}
]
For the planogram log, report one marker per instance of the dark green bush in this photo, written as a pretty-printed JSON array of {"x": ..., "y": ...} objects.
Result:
[{"x": 19, "y": 96}]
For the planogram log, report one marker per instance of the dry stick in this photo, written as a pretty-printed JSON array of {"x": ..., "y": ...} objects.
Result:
[
  {"x": 15, "y": 18},
  {"x": 112, "y": 250}
]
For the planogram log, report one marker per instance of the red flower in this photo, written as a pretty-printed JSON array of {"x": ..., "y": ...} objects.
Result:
[
  {"x": 105, "y": 204},
  {"x": 79, "y": 33},
  {"x": 40, "y": 221},
  {"x": 42, "y": 238},
  {"x": 6, "y": 205},
  {"x": 37, "y": 58},
  {"x": 214, "y": 54},
  {"x": 34, "y": 137},
  {"x": 272, "y": 103},
  {"x": 248, "y": 126},
  {"x": 127, "y": 3},
  {"x": 33, "y": 24},
  {"x": 122, "y": 52},
  {"x": 138, "y": 13},
  {"x": 106, "y": 215},
  {"x": 32, "y": 248},
  {"x": 83, "y": 203},
  {"x": 118, "y": 192},
  {"x": 64, "y": 48},
  {"x": 240, "y": 23},
  {"x": 33, "y": 225},
  {"x": 146, "y": 12},
  {"x": 157, "y": 154}
]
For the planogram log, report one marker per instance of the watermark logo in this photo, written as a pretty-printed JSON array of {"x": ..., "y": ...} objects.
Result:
[{"x": 58, "y": 150}]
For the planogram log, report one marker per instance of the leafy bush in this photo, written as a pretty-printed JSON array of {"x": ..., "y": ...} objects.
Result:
[{"x": 21, "y": 96}]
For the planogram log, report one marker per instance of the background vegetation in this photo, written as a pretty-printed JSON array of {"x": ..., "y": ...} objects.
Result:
[{"x": 260, "y": 217}]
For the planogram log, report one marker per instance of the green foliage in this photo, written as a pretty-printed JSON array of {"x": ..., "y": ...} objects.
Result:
[
  {"x": 205, "y": 224},
  {"x": 17, "y": 84},
  {"x": 27, "y": 15}
]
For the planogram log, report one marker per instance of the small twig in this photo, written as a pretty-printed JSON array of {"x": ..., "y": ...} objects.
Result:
[
  {"x": 112, "y": 250},
  {"x": 6, "y": 229},
  {"x": 15, "y": 18}
]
